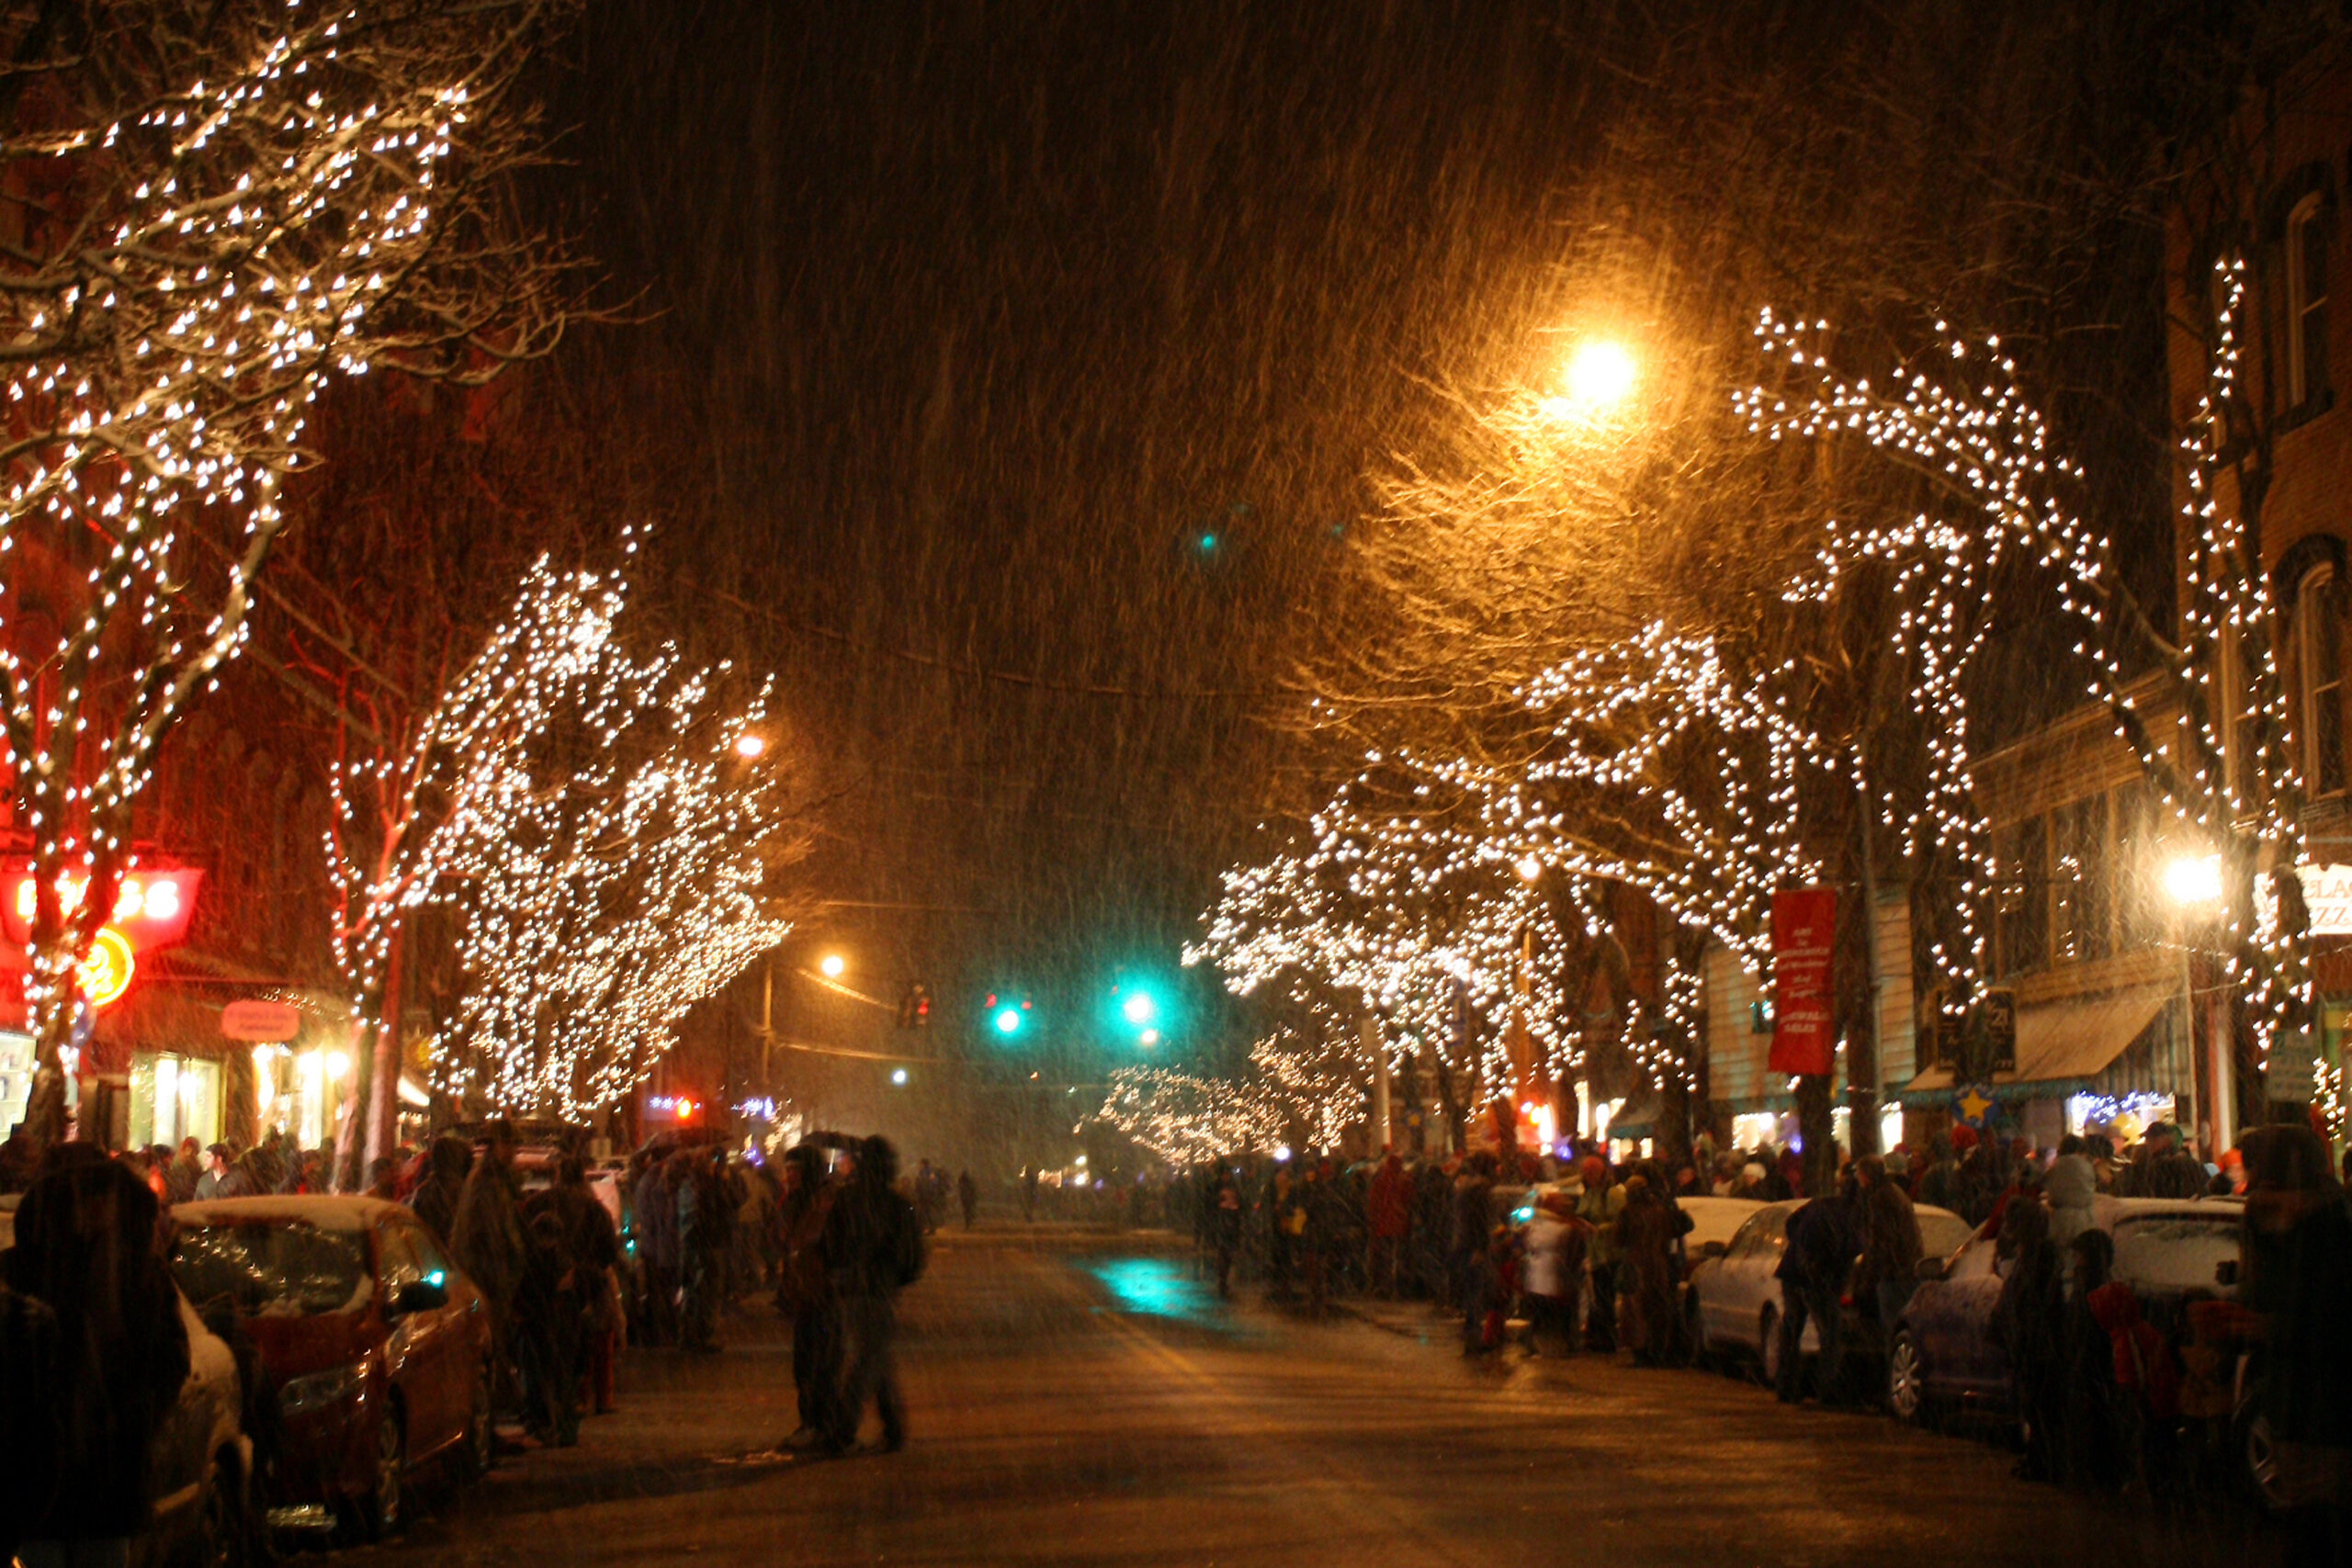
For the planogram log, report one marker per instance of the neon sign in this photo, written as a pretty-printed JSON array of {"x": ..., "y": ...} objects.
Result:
[{"x": 105, "y": 973}]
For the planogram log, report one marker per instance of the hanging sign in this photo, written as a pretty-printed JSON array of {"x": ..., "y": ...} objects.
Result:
[
  {"x": 2327, "y": 893},
  {"x": 1804, "y": 937},
  {"x": 260, "y": 1023}
]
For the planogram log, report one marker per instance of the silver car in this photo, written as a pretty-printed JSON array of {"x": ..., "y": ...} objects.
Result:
[{"x": 1734, "y": 1302}]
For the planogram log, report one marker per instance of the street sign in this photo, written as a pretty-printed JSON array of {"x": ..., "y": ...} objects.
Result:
[
  {"x": 2293, "y": 1072},
  {"x": 260, "y": 1023}
]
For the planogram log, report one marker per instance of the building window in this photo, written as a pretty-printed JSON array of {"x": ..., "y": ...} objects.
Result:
[
  {"x": 2319, "y": 653},
  {"x": 2307, "y": 302},
  {"x": 2021, "y": 923}
]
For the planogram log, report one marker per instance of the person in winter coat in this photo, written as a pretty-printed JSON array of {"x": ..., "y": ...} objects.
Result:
[
  {"x": 806, "y": 1292},
  {"x": 1938, "y": 1184},
  {"x": 706, "y": 1233},
  {"x": 2068, "y": 1188},
  {"x": 1889, "y": 1267},
  {"x": 595, "y": 1251},
  {"x": 1646, "y": 1233},
  {"x": 486, "y": 1238},
  {"x": 1387, "y": 1207},
  {"x": 872, "y": 1249},
  {"x": 653, "y": 1205},
  {"x": 1599, "y": 1206},
  {"x": 1822, "y": 1240},
  {"x": 2169, "y": 1170},
  {"x": 1285, "y": 1221},
  {"x": 1226, "y": 1213},
  {"x": 86, "y": 1250},
  {"x": 967, "y": 1197},
  {"x": 436, "y": 1197},
  {"x": 2029, "y": 1323},
  {"x": 1554, "y": 1277},
  {"x": 547, "y": 1327},
  {"x": 1474, "y": 1221},
  {"x": 2296, "y": 1271}
]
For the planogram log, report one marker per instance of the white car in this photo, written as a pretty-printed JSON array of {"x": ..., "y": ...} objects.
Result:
[
  {"x": 1734, "y": 1302},
  {"x": 202, "y": 1458}
]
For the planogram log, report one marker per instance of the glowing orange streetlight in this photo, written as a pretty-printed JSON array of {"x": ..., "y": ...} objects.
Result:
[
  {"x": 748, "y": 745},
  {"x": 1598, "y": 377}
]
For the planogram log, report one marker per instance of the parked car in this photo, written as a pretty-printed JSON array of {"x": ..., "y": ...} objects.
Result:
[
  {"x": 1734, "y": 1304},
  {"x": 201, "y": 1456},
  {"x": 375, "y": 1345},
  {"x": 1713, "y": 1220},
  {"x": 2169, "y": 1250}
]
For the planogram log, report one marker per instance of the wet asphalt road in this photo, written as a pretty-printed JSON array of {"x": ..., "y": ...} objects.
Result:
[{"x": 1078, "y": 1399}]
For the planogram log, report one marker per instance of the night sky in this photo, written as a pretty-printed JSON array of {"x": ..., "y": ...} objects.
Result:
[{"x": 1007, "y": 377}]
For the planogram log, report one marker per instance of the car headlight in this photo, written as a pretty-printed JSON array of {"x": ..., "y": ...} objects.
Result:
[{"x": 318, "y": 1390}]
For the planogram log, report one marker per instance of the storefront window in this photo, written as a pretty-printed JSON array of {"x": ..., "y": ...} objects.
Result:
[
  {"x": 174, "y": 1098},
  {"x": 15, "y": 1077}
]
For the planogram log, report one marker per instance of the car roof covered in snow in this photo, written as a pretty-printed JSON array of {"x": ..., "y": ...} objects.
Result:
[{"x": 327, "y": 1213}]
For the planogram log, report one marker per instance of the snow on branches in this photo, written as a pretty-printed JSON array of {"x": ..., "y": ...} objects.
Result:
[
  {"x": 2212, "y": 728},
  {"x": 234, "y": 202},
  {"x": 609, "y": 879}
]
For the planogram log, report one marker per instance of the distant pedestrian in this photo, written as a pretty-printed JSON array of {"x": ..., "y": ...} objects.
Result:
[
  {"x": 1387, "y": 1207},
  {"x": 436, "y": 1197},
  {"x": 2029, "y": 1323},
  {"x": 967, "y": 1197},
  {"x": 706, "y": 1236},
  {"x": 874, "y": 1250},
  {"x": 1225, "y": 1228},
  {"x": 1646, "y": 1233},
  {"x": 1889, "y": 1267},
  {"x": 1473, "y": 1223},
  {"x": 185, "y": 1171},
  {"x": 653, "y": 1207},
  {"x": 2297, "y": 1273},
  {"x": 1822, "y": 1239},
  {"x": 1598, "y": 1206},
  {"x": 2068, "y": 1188},
  {"x": 806, "y": 1292},
  {"x": 486, "y": 1237},
  {"x": 1555, "y": 1272}
]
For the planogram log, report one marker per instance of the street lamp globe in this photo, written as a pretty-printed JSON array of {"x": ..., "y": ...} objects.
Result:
[
  {"x": 2194, "y": 879},
  {"x": 833, "y": 966},
  {"x": 748, "y": 745},
  {"x": 1599, "y": 375}
]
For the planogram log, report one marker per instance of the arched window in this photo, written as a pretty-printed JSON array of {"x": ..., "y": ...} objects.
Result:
[
  {"x": 2318, "y": 656},
  {"x": 2306, "y": 323}
]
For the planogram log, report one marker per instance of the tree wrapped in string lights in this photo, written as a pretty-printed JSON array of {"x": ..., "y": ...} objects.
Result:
[
  {"x": 1370, "y": 913},
  {"x": 2206, "y": 712},
  {"x": 1187, "y": 1119},
  {"x": 610, "y": 878},
  {"x": 227, "y": 203},
  {"x": 406, "y": 791}
]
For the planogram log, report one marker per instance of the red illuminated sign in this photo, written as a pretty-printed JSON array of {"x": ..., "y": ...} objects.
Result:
[
  {"x": 150, "y": 908},
  {"x": 105, "y": 973}
]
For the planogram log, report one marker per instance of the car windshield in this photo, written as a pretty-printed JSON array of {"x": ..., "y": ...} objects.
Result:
[
  {"x": 274, "y": 1268},
  {"x": 2173, "y": 1252}
]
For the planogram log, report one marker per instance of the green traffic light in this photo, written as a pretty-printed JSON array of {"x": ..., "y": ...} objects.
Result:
[
  {"x": 1008, "y": 1022},
  {"x": 1139, "y": 1009}
]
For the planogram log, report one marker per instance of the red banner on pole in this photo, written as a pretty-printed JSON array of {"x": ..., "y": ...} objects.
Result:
[{"x": 1804, "y": 936}]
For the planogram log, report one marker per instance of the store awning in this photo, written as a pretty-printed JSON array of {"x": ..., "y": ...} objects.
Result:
[{"x": 2070, "y": 1041}]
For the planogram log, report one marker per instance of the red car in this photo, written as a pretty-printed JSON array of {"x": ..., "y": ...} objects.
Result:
[{"x": 376, "y": 1346}]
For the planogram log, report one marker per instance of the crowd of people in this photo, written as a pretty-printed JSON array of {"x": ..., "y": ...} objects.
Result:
[
  {"x": 1588, "y": 1254},
  {"x": 93, "y": 1350}
]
